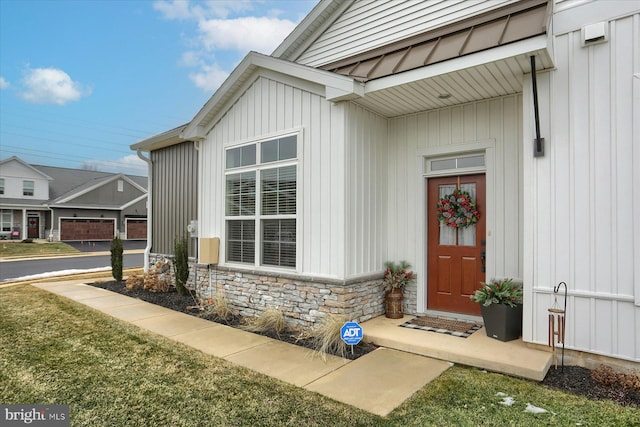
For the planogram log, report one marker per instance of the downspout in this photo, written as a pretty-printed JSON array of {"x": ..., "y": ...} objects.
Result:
[
  {"x": 147, "y": 249},
  {"x": 50, "y": 238},
  {"x": 538, "y": 147}
]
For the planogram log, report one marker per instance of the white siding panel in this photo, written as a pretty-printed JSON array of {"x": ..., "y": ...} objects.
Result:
[
  {"x": 587, "y": 236},
  {"x": 268, "y": 108},
  {"x": 368, "y": 24}
]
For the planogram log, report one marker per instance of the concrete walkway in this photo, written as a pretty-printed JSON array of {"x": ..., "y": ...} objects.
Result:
[{"x": 377, "y": 382}]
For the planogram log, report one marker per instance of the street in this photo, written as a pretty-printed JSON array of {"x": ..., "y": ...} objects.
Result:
[{"x": 15, "y": 269}]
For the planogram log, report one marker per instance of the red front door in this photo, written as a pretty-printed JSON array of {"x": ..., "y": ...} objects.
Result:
[
  {"x": 33, "y": 227},
  {"x": 455, "y": 255}
]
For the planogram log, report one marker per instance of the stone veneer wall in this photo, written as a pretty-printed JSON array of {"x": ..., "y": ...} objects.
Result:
[{"x": 302, "y": 299}]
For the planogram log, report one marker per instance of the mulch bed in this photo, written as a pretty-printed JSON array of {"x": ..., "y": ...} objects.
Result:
[
  {"x": 186, "y": 304},
  {"x": 571, "y": 379}
]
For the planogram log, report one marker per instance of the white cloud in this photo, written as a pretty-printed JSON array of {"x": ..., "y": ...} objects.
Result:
[
  {"x": 240, "y": 33},
  {"x": 185, "y": 9},
  {"x": 3, "y": 83},
  {"x": 51, "y": 86},
  {"x": 176, "y": 9},
  {"x": 209, "y": 78},
  {"x": 130, "y": 165}
]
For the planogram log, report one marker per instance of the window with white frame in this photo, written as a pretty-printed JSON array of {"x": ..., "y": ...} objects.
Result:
[
  {"x": 6, "y": 220},
  {"x": 261, "y": 199},
  {"x": 27, "y": 188},
  {"x": 1, "y": 185}
]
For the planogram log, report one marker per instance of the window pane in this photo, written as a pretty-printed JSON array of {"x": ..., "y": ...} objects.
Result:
[
  {"x": 248, "y": 155},
  {"x": 233, "y": 158},
  {"x": 269, "y": 151},
  {"x": 439, "y": 165},
  {"x": 27, "y": 188},
  {"x": 279, "y": 242},
  {"x": 288, "y": 148},
  {"x": 241, "y": 194},
  {"x": 469, "y": 162},
  {"x": 241, "y": 241},
  {"x": 279, "y": 191}
]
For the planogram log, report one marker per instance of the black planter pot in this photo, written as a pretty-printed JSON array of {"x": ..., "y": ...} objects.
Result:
[{"x": 502, "y": 322}]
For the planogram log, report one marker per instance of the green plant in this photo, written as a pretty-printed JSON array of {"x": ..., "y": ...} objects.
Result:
[
  {"x": 270, "y": 320},
  {"x": 326, "y": 336},
  {"x": 397, "y": 276},
  {"x": 498, "y": 291},
  {"x": 181, "y": 264},
  {"x": 29, "y": 240},
  {"x": 116, "y": 258}
]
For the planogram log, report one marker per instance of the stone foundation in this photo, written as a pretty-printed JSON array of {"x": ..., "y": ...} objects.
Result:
[{"x": 303, "y": 300}]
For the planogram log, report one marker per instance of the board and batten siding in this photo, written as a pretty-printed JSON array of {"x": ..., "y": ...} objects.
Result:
[
  {"x": 585, "y": 193},
  {"x": 369, "y": 24},
  {"x": 272, "y": 105},
  {"x": 175, "y": 194},
  {"x": 493, "y": 127}
]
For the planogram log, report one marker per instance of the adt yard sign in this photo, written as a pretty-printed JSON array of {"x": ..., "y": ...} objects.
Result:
[{"x": 351, "y": 333}]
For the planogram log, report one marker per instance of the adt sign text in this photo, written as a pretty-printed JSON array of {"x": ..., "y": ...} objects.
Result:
[{"x": 351, "y": 333}]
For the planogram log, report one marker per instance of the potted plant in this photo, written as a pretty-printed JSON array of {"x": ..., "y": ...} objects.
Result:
[
  {"x": 396, "y": 277},
  {"x": 501, "y": 306}
]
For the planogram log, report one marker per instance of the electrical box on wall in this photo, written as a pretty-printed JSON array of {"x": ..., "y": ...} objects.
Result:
[{"x": 209, "y": 248}]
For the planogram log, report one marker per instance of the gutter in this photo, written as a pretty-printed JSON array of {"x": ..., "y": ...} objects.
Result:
[{"x": 147, "y": 249}]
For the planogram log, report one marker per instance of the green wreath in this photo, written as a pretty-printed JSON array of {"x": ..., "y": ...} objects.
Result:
[{"x": 457, "y": 210}]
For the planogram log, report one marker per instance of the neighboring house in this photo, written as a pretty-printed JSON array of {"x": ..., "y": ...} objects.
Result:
[
  {"x": 46, "y": 202},
  {"x": 324, "y": 160}
]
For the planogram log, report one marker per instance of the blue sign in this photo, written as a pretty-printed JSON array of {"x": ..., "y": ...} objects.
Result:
[{"x": 351, "y": 333}]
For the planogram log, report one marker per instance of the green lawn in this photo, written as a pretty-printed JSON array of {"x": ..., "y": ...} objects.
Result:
[
  {"x": 55, "y": 351},
  {"x": 19, "y": 249}
]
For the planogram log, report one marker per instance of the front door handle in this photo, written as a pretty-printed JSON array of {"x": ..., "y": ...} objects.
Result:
[{"x": 483, "y": 260}]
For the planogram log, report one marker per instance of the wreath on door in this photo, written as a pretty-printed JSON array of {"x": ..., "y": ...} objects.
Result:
[{"x": 457, "y": 210}]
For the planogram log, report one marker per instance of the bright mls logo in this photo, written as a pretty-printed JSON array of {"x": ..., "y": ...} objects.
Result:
[
  {"x": 351, "y": 333},
  {"x": 37, "y": 415}
]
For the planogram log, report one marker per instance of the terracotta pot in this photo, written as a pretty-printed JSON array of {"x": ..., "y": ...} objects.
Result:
[{"x": 393, "y": 304}]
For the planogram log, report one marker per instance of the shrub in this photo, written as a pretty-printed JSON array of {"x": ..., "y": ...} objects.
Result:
[
  {"x": 270, "y": 321},
  {"x": 116, "y": 258},
  {"x": 606, "y": 376},
  {"x": 326, "y": 336},
  {"x": 181, "y": 264},
  {"x": 220, "y": 307},
  {"x": 29, "y": 240},
  {"x": 134, "y": 282}
]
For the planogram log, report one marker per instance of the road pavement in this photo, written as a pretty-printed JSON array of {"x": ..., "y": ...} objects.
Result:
[{"x": 12, "y": 269}]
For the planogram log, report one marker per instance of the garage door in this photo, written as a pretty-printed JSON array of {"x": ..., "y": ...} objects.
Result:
[
  {"x": 136, "y": 229},
  {"x": 87, "y": 229}
]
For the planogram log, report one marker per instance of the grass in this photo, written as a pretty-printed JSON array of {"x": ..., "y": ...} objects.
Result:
[
  {"x": 53, "y": 350},
  {"x": 19, "y": 249}
]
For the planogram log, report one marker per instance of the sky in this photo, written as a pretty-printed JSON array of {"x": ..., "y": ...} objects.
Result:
[{"x": 83, "y": 80}]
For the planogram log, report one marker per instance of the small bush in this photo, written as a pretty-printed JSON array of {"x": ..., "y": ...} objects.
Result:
[
  {"x": 606, "y": 376},
  {"x": 220, "y": 308},
  {"x": 270, "y": 321},
  {"x": 29, "y": 240},
  {"x": 181, "y": 264},
  {"x": 326, "y": 336},
  {"x": 134, "y": 282},
  {"x": 151, "y": 282},
  {"x": 116, "y": 258}
]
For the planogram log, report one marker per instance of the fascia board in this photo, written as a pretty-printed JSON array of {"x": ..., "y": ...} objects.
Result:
[
  {"x": 85, "y": 207},
  {"x": 343, "y": 85},
  {"x": 469, "y": 61},
  {"x": 162, "y": 140},
  {"x": 134, "y": 201}
]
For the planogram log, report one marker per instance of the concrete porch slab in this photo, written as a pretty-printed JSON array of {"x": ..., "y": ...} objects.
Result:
[
  {"x": 512, "y": 358},
  {"x": 287, "y": 362},
  {"x": 379, "y": 381}
]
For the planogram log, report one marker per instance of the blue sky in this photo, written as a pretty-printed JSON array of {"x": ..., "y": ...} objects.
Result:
[{"x": 82, "y": 80}]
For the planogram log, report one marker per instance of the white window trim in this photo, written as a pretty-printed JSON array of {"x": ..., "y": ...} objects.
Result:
[
  {"x": 258, "y": 167},
  {"x": 2, "y": 212}
]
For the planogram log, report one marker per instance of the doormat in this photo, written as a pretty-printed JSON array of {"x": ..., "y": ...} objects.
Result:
[{"x": 442, "y": 326}]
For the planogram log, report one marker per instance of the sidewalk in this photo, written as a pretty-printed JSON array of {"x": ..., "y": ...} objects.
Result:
[{"x": 377, "y": 382}]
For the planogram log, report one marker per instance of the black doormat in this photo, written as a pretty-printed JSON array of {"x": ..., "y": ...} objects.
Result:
[{"x": 442, "y": 326}]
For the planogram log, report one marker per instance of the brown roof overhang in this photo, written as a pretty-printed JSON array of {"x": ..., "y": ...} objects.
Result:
[{"x": 502, "y": 26}]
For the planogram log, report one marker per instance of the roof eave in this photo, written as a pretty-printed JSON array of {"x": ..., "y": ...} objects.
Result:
[{"x": 161, "y": 140}]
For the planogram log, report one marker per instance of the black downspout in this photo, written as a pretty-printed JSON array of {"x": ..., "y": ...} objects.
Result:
[{"x": 538, "y": 148}]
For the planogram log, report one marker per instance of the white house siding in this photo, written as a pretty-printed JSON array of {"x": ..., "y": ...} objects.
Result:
[
  {"x": 268, "y": 107},
  {"x": 493, "y": 125},
  {"x": 15, "y": 173},
  {"x": 366, "y": 194},
  {"x": 585, "y": 191},
  {"x": 368, "y": 24}
]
